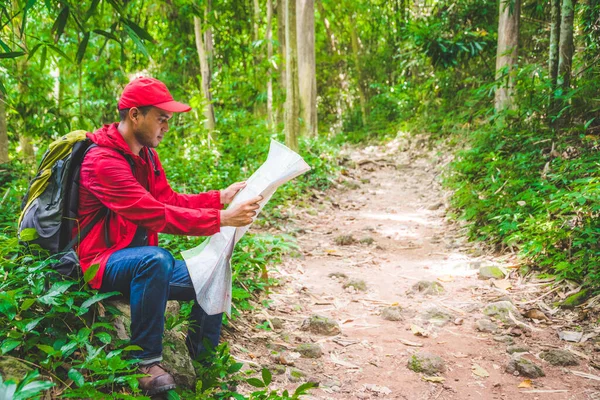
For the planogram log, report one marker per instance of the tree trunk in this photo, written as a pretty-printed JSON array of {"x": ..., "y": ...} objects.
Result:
[
  {"x": 361, "y": 92},
  {"x": 566, "y": 47},
  {"x": 282, "y": 52},
  {"x": 208, "y": 37},
  {"x": 553, "y": 52},
  {"x": 307, "y": 78},
  {"x": 3, "y": 132},
  {"x": 205, "y": 72},
  {"x": 507, "y": 53},
  {"x": 292, "y": 107},
  {"x": 269, "y": 39}
]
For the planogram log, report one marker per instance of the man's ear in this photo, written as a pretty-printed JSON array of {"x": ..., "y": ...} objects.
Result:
[{"x": 134, "y": 114}]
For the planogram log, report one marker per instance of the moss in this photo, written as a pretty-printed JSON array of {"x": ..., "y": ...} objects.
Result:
[
  {"x": 344, "y": 240},
  {"x": 357, "y": 284},
  {"x": 575, "y": 299}
]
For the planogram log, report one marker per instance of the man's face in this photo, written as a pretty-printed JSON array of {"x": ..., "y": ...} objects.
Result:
[{"x": 150, "y": 129}]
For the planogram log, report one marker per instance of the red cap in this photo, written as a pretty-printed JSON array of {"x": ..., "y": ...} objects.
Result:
[{"x": 142, "y": 92}]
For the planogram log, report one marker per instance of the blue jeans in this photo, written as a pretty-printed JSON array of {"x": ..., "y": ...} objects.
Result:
[{"x": 149, "y": 276}]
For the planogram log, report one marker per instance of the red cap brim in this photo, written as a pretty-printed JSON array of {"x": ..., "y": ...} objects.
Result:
[{"x": 173, "y": 106}]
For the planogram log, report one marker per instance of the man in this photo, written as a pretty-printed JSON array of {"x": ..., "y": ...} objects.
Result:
[{"x": 123, "y": 179}]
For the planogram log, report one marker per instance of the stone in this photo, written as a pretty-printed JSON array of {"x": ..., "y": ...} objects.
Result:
[
  {"x": 576, "y": 299},
  {"x": 277, "y": 323},
  {"x": 296, "y": 375},
  {"x": 500, "y": 310},
  {"x": 393, "y": 313},
  {"x": 485, "y": 325},
  {"x": 428, "y": 288},
  {"x": 519, "y": 365},
  {"x": 309, "y": 350},
  {"x": 427, "y": 363},
  {"x": 559, "y": 357},
  {"x": 517, "y": 348},
  {"x": 504, "y": 339},
  {"x": 11, "y": 368},
  {"x": 491, "y": 271},
  {"x": 344, "y": 240},
  {"x": 277, "y": 369},
  {"x": 321, "y": 326},
  {"x": 357, "y": 284},
  {"x": 436, "y": 316}
]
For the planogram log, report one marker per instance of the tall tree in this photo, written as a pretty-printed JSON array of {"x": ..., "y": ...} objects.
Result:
[
  {"x": 507, "y": 52},
  {"x": 307, "y": 78},
  {"x": 3, "y": 132},
  {"x": 269, "y": 39},
  {"x": 292, "y": 106},
  {"x": 553, "y": 51},
  {"x": 357, "y": 65},
  {"x": 281, "y": 15},
  {"x": 566, "y": 48},
  {"x": 205, "y": 72}
]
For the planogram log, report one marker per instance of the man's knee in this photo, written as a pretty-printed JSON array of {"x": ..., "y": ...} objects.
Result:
[{"x": 159, "y": 262}]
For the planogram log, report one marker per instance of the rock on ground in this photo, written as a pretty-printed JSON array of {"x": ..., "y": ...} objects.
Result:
[
  {"x": 485, "y": 325},
  {"x": 393, "y": 313},
  {"x": 428, "y": 288},
  {"x": 321, "y": 326},
  {"x": 559, "y": 357},
  {"x": 517, "y": 348},
  {"x": 310, "y": 350},
  {"x": 491, "y": 272},
  {"x": 427, "y": 363},
  {"x": 500, "y": 310},
  {"x": 437, "y": 316},
  {"x": 524, "y": 367}
]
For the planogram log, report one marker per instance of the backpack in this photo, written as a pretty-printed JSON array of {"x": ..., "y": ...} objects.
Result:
[{"x": 49, "y": 208}]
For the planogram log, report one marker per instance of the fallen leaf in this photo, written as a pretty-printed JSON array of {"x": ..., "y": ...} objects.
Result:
[
  {"x": 502, "y": 284},
  {"x": 336, "y": 360},
  {"x": 460, "y": 355},
  {"x": 525, "y": 384},
  {"x": 409, "y": 343},
  {"x": 445, "y": 279},
  {"x": 479, "y": 371},
  {"x": 434, "y": 379},
  {"x": 378, "y": 389},
  {"x": 418, "y": 331}
]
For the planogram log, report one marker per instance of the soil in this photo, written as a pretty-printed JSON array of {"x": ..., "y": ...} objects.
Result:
[{"x": 362, "y": 246}]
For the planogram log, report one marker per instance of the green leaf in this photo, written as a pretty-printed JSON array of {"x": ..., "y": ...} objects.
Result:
[
  {"x": 7, "y": 306},
  {"x": 141, "y": 32},
  {"x": 28, "y": 234},
  {"x": 235, "y": 368},
  {"x": 82, "y": 47},
  {"x": 46, "y": 349},
  {"x": 137, "y": 41},
  {"x": 33, "y": 51},
  {"x": 32, "y": 324},
  {"x": 12, "y": 54},
  {"x": 172, "y": 395},
  {"x": 255, "y": 382},
  {"x": 303, "y": 389},
  {"x": 90, "y": 273},
  {"x": 7, "y": 389},
  {"x": 132, "y": 347},
  {"x": 107, "y": 35},
  {"x": 5, "y": 46},
  {"x": 104, "y": 337},
  {"x": 33, "y": 389},
  {"x": 76, "y": 377},
  {"x": 92, "y": 10},
  {"x": 60, "y": 52},
  {"x": 8, "y": 345},
  {"x": 56, "y": 290},
  {"x": 266, "y": 375},
  {"x": 61, "y": 21},
  {"x": 26, "y": 304},
  {"x": 98, "y": 297},
  {"x": 43, "y": 58}
]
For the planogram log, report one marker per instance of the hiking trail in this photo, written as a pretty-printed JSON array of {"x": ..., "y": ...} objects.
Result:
[{"x": 395, "y": 280}]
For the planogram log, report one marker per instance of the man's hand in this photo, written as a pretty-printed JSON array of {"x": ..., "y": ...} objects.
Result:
[
  {"x": 228, "y": 194},
  {"x": 242, "y": 214}
]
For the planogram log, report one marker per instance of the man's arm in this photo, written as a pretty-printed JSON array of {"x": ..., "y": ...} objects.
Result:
[{"x": 110, "y": 179}]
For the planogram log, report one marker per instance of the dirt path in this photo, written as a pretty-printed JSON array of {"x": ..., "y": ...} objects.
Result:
[{"x": 363, "y": 249}]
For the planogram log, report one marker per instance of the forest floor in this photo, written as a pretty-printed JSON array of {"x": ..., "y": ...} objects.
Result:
[{"x": 379, "y": 259}]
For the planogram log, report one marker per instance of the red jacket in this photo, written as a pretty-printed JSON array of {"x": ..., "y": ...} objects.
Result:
[{"x": 107, "y": 180}]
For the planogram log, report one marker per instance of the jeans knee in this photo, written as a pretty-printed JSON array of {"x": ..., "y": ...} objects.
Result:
[{"x": 159, "y": 262}]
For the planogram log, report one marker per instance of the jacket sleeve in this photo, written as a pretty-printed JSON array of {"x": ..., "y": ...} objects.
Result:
[
  {"x": 164, "y": 193},
  {"x": 110, "y": 179}
]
